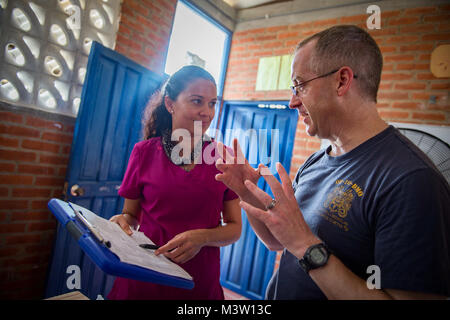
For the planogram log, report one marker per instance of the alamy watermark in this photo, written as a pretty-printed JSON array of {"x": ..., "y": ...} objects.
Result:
[
  {"x": 263, "y": 145},
  {"x": 374, "y": 280},
  {"x": 374, "y": 20},
  {"x": 73, "y": 281}
]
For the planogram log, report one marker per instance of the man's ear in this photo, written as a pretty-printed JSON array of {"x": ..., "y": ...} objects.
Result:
[
  {"x": 345, "y": 78},
  {"x": 169, "y": 104}
]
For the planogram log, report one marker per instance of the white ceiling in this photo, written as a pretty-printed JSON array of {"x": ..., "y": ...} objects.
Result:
[{"x": 245, "y": 4}]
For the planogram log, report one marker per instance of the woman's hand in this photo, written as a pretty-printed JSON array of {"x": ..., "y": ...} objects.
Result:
[
  {"x": 125, "y": 221},
  {"x": 184, "y": 246}
]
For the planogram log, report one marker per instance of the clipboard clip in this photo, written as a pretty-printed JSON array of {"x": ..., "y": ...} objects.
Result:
[{"x": 89, "y": 226}]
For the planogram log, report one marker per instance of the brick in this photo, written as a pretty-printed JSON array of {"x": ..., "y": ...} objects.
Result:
[
  {"x": 10, "y": 179},
  {"x": 39, "y": 145},
  {"x": 327, "y": 22},
  {"x": 436, "y": 18},
  {"x": 7, "y": 167},
  {"x": 413, "y": 66},
  {"x": 4, "y": 192},
  {"x": 168, "y": 5},
  {"x": 417, "y": 28},
  {"x": 390, "y": 14},
  {"x": 402, "y": 21},
  {"x": 428, "y": 116},
  {"x": 31, "y": 193},
  {"x": 39, "y": 204},
  {"x": 69, "y": 128},
  {"x": 149, "y": 4},
  {"x": 443, "y": 86},
  {"x": 425, "y": 76},
  {"x": 434, "y": 37},
  {"x": 417, "y": 47},
  {"x": 388, "y": 49},
  {"x": 41, "y": 226},
  {"x": 399, "y": 57},
  {"x": 383, "y": 31},
  {"x": 390, "y": 114},
  {"x": 138, "y": 8},
  {"x": 19, "y": 131},
  {"x": 9, "y": 142},
  {"x": 266, "y": 37},
  {"x": 396, "y": 76},
  {"x": 393, "y": 95},
  {"x": 276, "y": 29},
  {"x": 276, "y": 44},
  {"x": 402, "y": 39},
  {"x": 426, "y": 96},
  {"x": 444, "y": 26},
  {"x": 13, "y": 204},
  {"x": 11, "y": 117},
  {"x": 35, "y": 169},
  {"x": 406, "y": 105},
  {"x": 57, "y": 137},
  {"x": 49, "y": 159},
  {"x": 259, "y": 30},
  {"x": 419, "y": 10},
  {"x": 49, "y": 181},
  {"x": 354, "y": 19},
  {"x": 40, "y": 123},
  {"x": 133, "y": 25},
  {"x": 410, "y": 86},
  {"x": 12, "y": 228},
  {"x": 6, "y": 154},
  {"x": 30, "y": 215},
  {"x": 286, "y": 35},
  {"x": 424, "y": 57}
]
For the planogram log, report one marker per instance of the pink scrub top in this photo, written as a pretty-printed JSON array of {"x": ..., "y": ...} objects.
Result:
[{"x": 173, "y": 201}]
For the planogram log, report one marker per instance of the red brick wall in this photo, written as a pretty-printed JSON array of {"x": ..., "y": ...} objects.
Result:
[
  {"x": 144, "y": 31},
  {"x": 406, "y": 38},
  {"x": 34, "y": 154}
]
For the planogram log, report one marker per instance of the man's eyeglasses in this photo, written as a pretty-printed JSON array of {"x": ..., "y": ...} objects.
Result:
[{"x": 301, "y": 86}]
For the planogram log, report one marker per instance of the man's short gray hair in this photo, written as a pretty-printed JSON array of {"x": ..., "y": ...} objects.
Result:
[{"x": 348, "y": 45}]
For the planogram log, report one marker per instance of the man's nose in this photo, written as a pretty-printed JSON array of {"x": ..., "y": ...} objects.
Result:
[{"x": 295, "y": 101}]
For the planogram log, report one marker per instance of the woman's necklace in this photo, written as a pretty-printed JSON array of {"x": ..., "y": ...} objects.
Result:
[{"x": 175, "y": 158}]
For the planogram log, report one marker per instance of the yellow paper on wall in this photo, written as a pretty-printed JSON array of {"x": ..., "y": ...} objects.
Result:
[{"x": 268, "y": 70}]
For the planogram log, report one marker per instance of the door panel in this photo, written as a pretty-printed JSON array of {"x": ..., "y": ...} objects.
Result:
[
  {"x": 114, "y": 95},
  {"x": 265, "y": 131}
]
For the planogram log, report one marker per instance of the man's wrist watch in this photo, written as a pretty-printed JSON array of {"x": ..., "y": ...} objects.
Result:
[{"x": 315, "y": 257}]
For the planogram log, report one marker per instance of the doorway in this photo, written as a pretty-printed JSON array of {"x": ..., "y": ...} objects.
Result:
[{"x": 197, "y": 39}]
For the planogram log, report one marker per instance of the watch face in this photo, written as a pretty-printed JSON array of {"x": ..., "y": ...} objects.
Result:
[{"x": 318, "y": 256}]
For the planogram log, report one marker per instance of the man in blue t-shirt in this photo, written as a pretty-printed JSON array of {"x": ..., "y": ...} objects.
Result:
[{"x": 369, "y": 212}]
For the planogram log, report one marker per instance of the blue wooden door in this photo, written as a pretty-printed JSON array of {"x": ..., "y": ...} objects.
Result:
[
  {"x": 114, "y": 94},
  {"x": 266, "y": 133}
]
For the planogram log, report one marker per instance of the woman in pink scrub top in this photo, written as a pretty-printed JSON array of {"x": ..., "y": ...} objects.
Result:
[{"x": 173, "y": 196}]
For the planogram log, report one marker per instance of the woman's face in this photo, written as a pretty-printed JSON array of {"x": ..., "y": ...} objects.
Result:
[{"x": 195, "y": 103}]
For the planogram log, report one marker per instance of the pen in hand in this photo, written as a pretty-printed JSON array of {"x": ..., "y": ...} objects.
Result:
[{"x": 149, "y": 246}]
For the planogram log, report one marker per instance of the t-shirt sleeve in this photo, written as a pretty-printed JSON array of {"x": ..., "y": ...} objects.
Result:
[
  {"x": 130, "y": 187},
  {"x": 229, "y": 195},
  {"x": 412, "y": 235}
]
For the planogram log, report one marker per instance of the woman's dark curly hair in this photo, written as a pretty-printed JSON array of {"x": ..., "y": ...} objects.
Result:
[{"x": 156, "y": 118}]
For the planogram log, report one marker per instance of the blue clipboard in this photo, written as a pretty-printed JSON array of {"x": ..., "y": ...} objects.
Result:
[{"x": 106, "y": 260}]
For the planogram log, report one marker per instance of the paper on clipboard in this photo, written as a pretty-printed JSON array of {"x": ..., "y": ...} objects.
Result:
[{"x": 127, "y": 247}]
